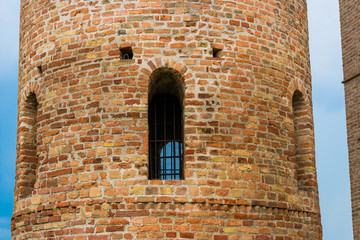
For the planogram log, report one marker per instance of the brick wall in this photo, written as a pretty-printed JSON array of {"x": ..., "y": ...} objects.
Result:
[
  {"x": 352, "y": 95},
  {"x": 350, "y": 33},
  {"x": 248, "y": 173}
]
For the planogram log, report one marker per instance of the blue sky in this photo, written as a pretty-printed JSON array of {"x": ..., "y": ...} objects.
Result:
[{"x": 329, "y": 114}]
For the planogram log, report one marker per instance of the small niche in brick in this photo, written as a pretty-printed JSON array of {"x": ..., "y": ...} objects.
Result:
[
  {"x": 39, "y": 68},
  {"x": 217, "y": 52},
  {"x": 303, "y": 139},
  {"x": 126, "y": 53},
  {"x": 27, "y": 159}
]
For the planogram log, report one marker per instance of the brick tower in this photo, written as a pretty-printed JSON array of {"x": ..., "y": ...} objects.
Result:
[
  {"x": 350, "y": 33},
  {"x": 165, "y": 119}
]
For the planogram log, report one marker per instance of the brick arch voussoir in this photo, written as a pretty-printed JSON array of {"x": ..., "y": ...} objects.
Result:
[
  {"x": 157, "y": 63},
  {"x": 31, "y": 87},
  {"x": 296, "y": 85}
]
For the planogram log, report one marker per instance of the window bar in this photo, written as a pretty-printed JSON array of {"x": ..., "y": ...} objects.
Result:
[
  {"x": 181, "y": 148},
  {"x": 164, "y": 140},
  {"x": 174, "y": 141},
  {"x": 173, "y": 164},
  {"x": 154, "y": 170}
]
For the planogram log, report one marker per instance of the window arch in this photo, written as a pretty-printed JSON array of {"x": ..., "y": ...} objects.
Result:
[
  {"x": 165, "y": 117},
  {"x": 27, "y": 160}
]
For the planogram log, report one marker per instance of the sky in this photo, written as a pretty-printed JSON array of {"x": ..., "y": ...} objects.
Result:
[{"x": 328, "y": 103}]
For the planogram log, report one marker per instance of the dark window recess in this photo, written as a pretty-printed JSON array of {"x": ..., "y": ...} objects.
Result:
[
  {"x": 126, "y": 53},
  {"x": 165, "y": 138},
  {"x": 39, "y": 68},
  {"x": 217, "y": 52}
]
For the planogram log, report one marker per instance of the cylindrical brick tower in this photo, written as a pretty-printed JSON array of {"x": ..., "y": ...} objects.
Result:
[{"x": 147, "y": 119}]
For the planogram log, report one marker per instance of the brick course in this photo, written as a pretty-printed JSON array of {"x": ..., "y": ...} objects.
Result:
[{"x": 249, "y": 169}]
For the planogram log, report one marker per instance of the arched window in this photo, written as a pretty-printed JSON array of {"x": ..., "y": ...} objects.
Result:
[
  {"x": 27, "y": 159},
  {"x": 166, "y": 145},
  {"x": 304, "y": 142}
]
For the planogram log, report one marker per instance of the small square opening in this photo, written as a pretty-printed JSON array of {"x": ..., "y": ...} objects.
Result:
[
  {"x": 217, "y": 52},
  {"x": 39, "y": 69},
  {"x": 126, "y": 53}
]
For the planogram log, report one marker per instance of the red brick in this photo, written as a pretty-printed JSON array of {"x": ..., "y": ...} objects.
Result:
[{"x": 82, "y": 159}]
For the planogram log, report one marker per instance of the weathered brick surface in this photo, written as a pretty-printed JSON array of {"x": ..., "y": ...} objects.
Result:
[
  {"x": 350, "y": 33},
  {"x": 352, "y": 96},
  {"x": 249, "y": 169}
]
